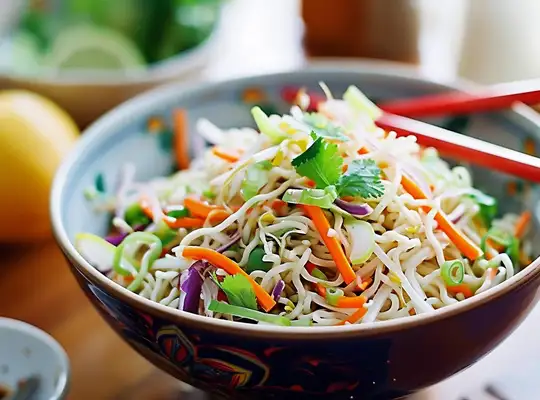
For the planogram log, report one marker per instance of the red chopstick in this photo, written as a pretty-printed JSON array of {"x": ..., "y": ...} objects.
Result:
[
  {"x": 451, "y": 103},
  {"x": 465, "y": 148}
]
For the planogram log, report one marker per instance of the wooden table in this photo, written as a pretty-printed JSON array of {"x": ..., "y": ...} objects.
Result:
[{"x": 37, "y": 287}]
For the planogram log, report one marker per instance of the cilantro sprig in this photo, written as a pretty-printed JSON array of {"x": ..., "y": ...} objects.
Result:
[
  {"x": 322, "y": 163},
  {"x": 362, "y": 179}
]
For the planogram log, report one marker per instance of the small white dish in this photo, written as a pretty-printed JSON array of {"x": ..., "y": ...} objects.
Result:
[{"x": 27, "y": 351}]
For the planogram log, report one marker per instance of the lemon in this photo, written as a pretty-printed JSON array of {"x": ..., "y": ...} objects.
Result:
[{"x": 35, "y": 134}]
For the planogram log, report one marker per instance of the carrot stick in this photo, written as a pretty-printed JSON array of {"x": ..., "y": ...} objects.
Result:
[
  {"x": 217, "y": 216},
  {"x": 412, "y": 188},
  {"x": 174, "y": 223},
  {"x": 351, "y": 302},
  {"x": 185, "y": 222},
  {"x": 462, "y": 288},
  {"x": 219, "y": 260},
  {"x": 225, "y": 155},
  {"x": 201, "y": 209},
  {"x": 334, "y": 246},
  {"x": 462, "y": 242},
  {"x": 180, "y": 127},
  {"x": 354, "y": 317},
  {"x": 522, "y": 224}
]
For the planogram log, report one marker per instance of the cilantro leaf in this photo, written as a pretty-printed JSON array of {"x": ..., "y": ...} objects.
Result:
[
  {"x": 362, "y": 179},
  {"x": 321, "y": 163},
  {"x": 323, "y": 127},
  {"x": 239, "y": 291}
]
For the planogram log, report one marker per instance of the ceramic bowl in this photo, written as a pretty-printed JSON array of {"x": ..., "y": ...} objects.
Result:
[
  {"x": 28, "y": 351},
  {"x": 381, "y": 360}
]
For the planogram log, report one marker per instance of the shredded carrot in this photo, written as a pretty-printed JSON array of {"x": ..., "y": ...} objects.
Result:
[
  {"x": 522, "y": 224},
  {"x": 200, "y": 209},
  {"x": 354, "y": 317},
  {"x": 342, "y": 301},
  {"x": 180, "y": 127},
  {"x": 412, "y": 188},
  {"x": 219, "y": 260},
  {"x": 334, "y": 246},
  {"x": 186, "y": 222},
  {"x": 492, "y": 273},
  {"x": 365, "y": 284},
  {"x": 225, "y": 154},
  {"x": 321, "y": 290},
  {"x": 351, "y": 302},
  {"x": 363, "y": 151},
  {"x": 174, "y": 223},
  {"x": 311, "y": 183},
  {"x": 278, "y": 204},
  {"x": 462, "y": 288},
  {"x": 344, "y": 168},
  {"x": 217, "y": 216},
  {"x": 495, "y": 246},
  {"x": 462, "y": 242}
]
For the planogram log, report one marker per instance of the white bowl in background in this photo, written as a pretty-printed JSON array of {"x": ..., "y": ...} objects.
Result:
[
  {"x": 28, "y": 351},
  {"x": 86, "y": 95}
]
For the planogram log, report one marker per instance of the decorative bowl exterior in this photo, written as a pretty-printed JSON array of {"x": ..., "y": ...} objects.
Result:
[{"x": 383, "y": 360}]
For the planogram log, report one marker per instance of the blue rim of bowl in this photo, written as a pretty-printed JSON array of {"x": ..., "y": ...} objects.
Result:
[
  {"x": 63, "y": 382},
  {"x": 520, "y": 114}
]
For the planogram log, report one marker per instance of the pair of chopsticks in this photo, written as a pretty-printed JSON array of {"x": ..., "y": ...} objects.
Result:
[{"x": 462, "y": 147}]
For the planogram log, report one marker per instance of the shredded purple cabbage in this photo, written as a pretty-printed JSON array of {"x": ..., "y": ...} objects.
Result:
[
  {"x": 192, "y": 287},
  {"x": 234, "y": 239},
  {"x": 117, "y": 238},
  {"x": 276, "y": 293},
  {"x": 359, "y": 210}
]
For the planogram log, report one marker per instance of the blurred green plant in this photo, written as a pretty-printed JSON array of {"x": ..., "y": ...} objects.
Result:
[{"x": 155, "y": 29}]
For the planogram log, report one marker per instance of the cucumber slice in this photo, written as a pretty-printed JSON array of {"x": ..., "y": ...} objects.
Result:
[
  {"x": 93, "y": 47},
  {"x": 98, "y": 252}
]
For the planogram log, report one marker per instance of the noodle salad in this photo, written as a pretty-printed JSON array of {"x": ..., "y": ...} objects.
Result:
[{"x": 314, "y": 219}]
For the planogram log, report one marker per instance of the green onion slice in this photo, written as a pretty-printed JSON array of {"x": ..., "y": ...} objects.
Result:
[
  {"x": 452, "y": 272},
  {"x": 333, "y": 295},
  {"x": 242, "y": 312}
]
